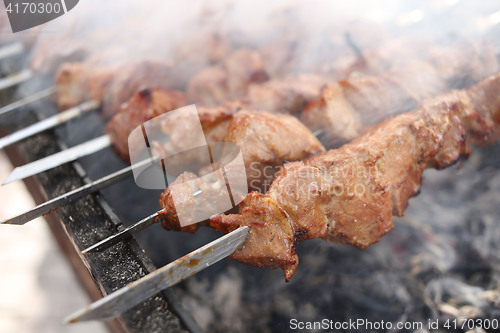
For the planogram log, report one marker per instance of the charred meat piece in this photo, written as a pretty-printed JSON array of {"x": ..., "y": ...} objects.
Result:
[
  {"x": 266, "y": 141},
  {"x": 143, "y": 106},
  {"x": 229, "y": 79},
  {"x": 349, "y": 195},
  {"x": 110, "y": 85}
]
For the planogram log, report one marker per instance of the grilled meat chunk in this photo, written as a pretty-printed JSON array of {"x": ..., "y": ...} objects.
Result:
[
  {"x": 143, "y": 106},
  {"x": 266, "y": 141},
  {"x": 346, "y": 107},
  {"x": 110, "y": 85},
  {"x": 349, "y": 195},
  {"x": 288, "y": 95},
  {"x": 227, "y": 80}
]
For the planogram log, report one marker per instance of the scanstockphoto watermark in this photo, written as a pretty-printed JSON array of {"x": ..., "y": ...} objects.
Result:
[
  {"x": 25, "y": 14},
  {"x": 364, "y": 325},
  {"x": 360, "y": 325}
]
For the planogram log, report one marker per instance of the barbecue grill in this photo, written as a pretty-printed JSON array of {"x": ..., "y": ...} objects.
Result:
[{"x": 441, "y": 262}]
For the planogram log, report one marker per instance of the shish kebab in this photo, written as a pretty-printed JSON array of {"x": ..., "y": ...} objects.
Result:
[
  {"x": 317, "y": 198},
  {"x": 217, "y": 122},
  {"x": 112, "y": 88},
  {"x": 395, "y": 105},
  {"x": 369, "y": 61},
  {"x": 395, "y": 92},
  {"x": 86, "y": 86},
  {"x": 280, "y": 96}
]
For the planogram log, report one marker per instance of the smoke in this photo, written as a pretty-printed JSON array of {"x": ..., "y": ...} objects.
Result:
[{"x": 441, "y": 259}]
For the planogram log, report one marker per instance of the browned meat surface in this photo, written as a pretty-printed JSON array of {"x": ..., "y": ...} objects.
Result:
[
  {"x": 214, "y": 121},
  {"x": 229, "y": 79},
  {"x": 110, "y": 85},
  {"x": 346, "y": 107},
  {"x": 143, "y": 106},
  {"x": 288, "y": 95},
  {"x": 349, "y": 195},
  {"x": 266, "y": 141}
]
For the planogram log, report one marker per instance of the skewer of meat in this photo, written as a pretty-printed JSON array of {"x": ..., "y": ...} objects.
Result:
[
  {"x": 349, "y": 195},
  {"x": 345, "y": 108},
  {"x": 85, "y": 86},
  {"x": 168, "y": 212},
  {"x": 222, "y": 123},
  {"x": 305, "y": 203},
  {"x": 365, "y": 97}
]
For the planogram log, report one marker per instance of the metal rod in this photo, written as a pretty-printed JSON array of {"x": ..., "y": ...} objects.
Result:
[
  {"x": 48, "y": 123},
  {"x": 54, "y": 204},
  {"x": 136, "y": 292},
  {"x": 28, "y": 100},
  {"x": 11, "y": 49},
  {"x": 15, "y": 79},
  {"x": 125, "y": 233},
  {"x": 64, "y": 199},
  {"x": 58, "y": 159}
]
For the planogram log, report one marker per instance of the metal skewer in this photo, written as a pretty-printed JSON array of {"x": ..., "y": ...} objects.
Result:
[
  {"x": 28, "y": 100},
  {"x": 55, "y": 203},
  {"x": 66, "y": 156},
  {"x": 126, "y": 233},
  {"x": 167, "y": 276},
  {"x": 11, "y": 49},
  {"x": 48, "y": 123},
  {"x": 58, "y": 159},
  {"x": 15, "y": 79}
]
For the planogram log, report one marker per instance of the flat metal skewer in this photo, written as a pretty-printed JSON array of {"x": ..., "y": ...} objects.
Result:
[
  {"x": 64, "y": 199},
  {"x": 27, "y": 100},
  {"x": 66, "y": 156},
  {"x": 11, "y": 49},
  {"x": 136, "y": 292},
  {"x": 15, "y": 79},
  {"x": 126, "y": 233},
  {"x": 48, "y": 123},
  {"x": 59, "y": 158}
]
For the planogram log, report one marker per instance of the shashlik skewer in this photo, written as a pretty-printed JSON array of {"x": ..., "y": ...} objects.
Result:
[
  {"x": 167, "y": 213},
  {"x": 304, "y": 202},
  {"x": 83, "y": 84},
  {"x": 144, "y": 106},
  {"x": 278, "y": 95},
  {"x": 345, "y": 108},
  {"x": 349, "y": 195},
  {"x": 109, "y": 86},
  {"x": 337, "y": 113},
  {"x": 217, "y": 122}
]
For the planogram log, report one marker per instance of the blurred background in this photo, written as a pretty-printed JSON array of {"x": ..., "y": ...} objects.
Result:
[{"x": 37, "y": 286}]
